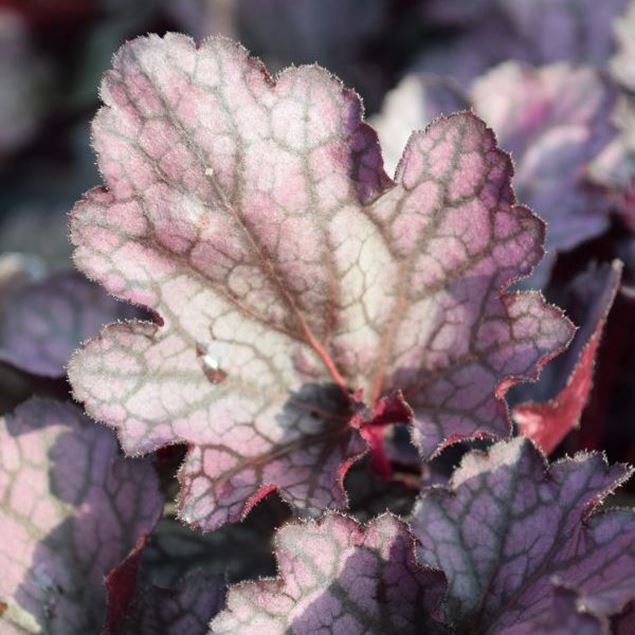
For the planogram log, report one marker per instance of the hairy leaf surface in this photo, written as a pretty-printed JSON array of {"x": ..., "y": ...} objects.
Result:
[
  {"x": 42, "y": 323},
  {"x": 564, "y": 388},
  {"x": 416, "y": 101},
  {"x": 292, "y": 278},
  {"x": 338, "y": 577},
  {"x": 553, "y": 120},
  {"x": 510, "y": 526},
  {"x": 70, "y": 511}
]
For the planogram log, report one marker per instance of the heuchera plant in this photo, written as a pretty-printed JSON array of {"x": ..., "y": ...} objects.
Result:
[{"x": 302, "y": 302}]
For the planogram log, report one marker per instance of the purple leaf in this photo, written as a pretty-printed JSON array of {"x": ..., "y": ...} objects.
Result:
[
  {"x": 71, "y": 510},
  {"x": 563, "y": 618},
  {"x": 510, "y": 526},
  {"x": 338, "y": 577},
  {"x": 566, "y": 384},
  {"x": 292, "y": 278},
  {"x": 553, "y": 120},
  {"x": 137, "y": 606},
  {"x": 42, "y": 323},
  {"x": 534, "y": 31}
]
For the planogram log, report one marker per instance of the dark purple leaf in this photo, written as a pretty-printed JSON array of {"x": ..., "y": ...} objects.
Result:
[
  {"x": 510, "y": 526},
  {"x": 42, "y": 323}
]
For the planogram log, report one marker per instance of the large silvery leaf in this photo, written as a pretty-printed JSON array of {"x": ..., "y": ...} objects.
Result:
[
  {"x": 292, "y": 278},
  {"x": 338, "y": 577},
  {"x": 43, "y": 322},
  {"x": 554, "y": 405},
  {"x": 70, "y": 511},
  {"x": 510, "y": 527}
]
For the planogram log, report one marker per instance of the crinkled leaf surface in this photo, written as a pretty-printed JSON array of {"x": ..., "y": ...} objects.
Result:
[
  {"x": 23, "y": 75},
  {"x": 71, "y": 510},
  {"x": 42, "y": 323},
  {"x": 416, "y": 101},
  {"x": 338, "y": 577},
  {"x": 292, "y": 276},
  {"x": 510, "y": 526},
  {"x": 553, "y": 120},
  {"x": 566, "y": 384}
]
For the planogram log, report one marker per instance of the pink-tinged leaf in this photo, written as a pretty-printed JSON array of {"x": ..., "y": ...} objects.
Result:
[
  {"x": 416, "y": 101},
  {"x": 70, "y": 511},
  {"x": 43, "y": 323},
  {"x": 510, "y": 526},
  {"x": 292, "y": 277},
  {"x": 338, "y": 577},
  {"x": 548, "y": 421},
  {"x": 553, "y": 120}
]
